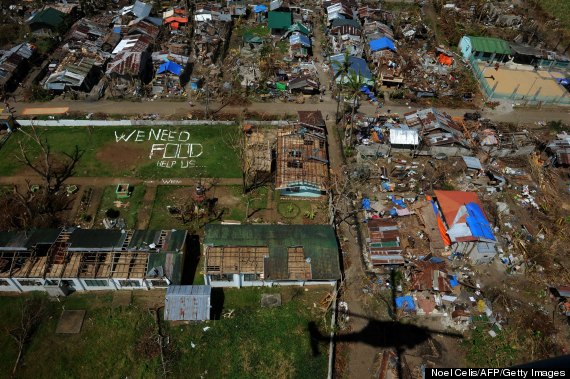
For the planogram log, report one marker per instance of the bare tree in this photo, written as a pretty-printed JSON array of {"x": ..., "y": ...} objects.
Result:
[
  {"x": 39, "y": 205},
  {"x": 252, "y": 158},
  {"x": 31, "y": 314}
]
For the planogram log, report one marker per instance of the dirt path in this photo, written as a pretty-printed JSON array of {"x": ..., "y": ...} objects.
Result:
[
  {"x": 144, "y": 213},
  {"x": 105, "y": 181},
  {"x": 328, "y": 106}
]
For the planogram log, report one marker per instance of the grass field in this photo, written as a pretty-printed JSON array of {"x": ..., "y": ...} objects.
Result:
[
  {"x": 129, "y": 214},
  {"x": 104, "y": 156},
  {"x": 255, "y": 342},
  {"x": 559, "y": 9}
]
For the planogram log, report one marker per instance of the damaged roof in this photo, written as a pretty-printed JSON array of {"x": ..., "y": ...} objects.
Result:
[{"x": 318, "y": 242}]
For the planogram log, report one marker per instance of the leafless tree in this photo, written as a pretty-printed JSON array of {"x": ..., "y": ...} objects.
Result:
[
  {"x": 253, "y": 163},
  {"x": 31, "y": 314},
  {"x": 33, "y": 205}
]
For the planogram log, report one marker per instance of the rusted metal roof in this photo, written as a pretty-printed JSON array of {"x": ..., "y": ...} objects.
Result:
[
  {"x": 126, "y": 63},
  {"x": 187, "y": 303},
  {"x": 384, "y": 242}
]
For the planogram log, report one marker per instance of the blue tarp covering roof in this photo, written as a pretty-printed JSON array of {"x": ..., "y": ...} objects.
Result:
[
  {"x": 300, "y": 38},
  {"x": 406, "y": 302},
  {"x": 382, "y": 43},
  {"x": 259, "y": 9},
  {"x": 170, "y": 66},
  {"x": 477, "y": 222},
  {"x": 357, "y": 65},
  {"x": 366, "y": 204}
]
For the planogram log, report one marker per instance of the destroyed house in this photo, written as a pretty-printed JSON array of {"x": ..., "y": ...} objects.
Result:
[
  {"x": 14, "y": 65},
  {"x": 90, "y": 259},
  {"x": 383, "y": 242},
  {"x": 485, "y": 49},
  {"x": 263, "y": 255},
  {"x": 560, "y": 149},
  {"x": 145, "y": 28},
  {"x": 302, "y": 163},
  {"x": 312, "y": 121},
  {"x": 430, "y": 275},
  {"x": 435, "y": 128},
  {"x": 467, "y": 227},
  {"x": 358, "y": 67},
  {"x": 80, "y": 75}
]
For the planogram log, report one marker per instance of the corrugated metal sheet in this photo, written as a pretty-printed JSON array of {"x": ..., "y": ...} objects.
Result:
[
  {"x": 187, "y": 303},
  {"x": 404, "y": 137}
]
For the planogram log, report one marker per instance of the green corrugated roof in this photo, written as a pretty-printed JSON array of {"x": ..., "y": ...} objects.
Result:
[
  {"x": 171, "y": 263},
  {"x": 48, "y": 16},
  {"x": 318, "y": 242},
  {"x": 298, "y": 27},
  {"x": 490, "y": 45},
  {"x": 279, "y": 20}
]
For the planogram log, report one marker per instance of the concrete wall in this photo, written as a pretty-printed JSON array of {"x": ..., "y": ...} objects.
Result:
[
  {"x": 238, "y": 282},
  {"x": 143, "y": 122}
]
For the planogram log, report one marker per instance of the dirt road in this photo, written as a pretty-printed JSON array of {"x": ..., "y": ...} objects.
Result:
[{"x": 327, "y": 106}]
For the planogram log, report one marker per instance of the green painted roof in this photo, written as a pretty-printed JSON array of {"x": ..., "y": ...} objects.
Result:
[
  {"x": 48, "y": 16},
  {"x": 318, "y": 242},
  {"x": 279, "y": 20},
  {"x": 490, "y": 45},
  {"x": 298, "y": 27},
  {"x": 171, "y": 263}
]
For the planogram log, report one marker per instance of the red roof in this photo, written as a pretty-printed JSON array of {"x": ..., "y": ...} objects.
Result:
[
  {"x": 181, "y": 20},
  {"x": 450, "y": 202}
]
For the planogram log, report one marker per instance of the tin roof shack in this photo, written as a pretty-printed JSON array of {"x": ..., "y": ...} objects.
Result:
[
  {"x": 300, "y": 46},
  {"x": 90, "y": 36},
  {"x": 346, "y": 35},
  {"x": 260, "y": 255},
  {"x": 470, "y": 233},
  {"x": 74, "y": 73},
  {"x": 304, "y": 85},
  {"x": 131, "y": 60},
  {"x": 383, "y": 243},
  {"x": 14, "y": 65},
  {"x": 560, "y": 150},
  {"x": 430, "y": 275},
  {"x": 302, "y": 163},
  {"x": 90, "y": 259},
  {"x": 48, "y": 22},
  {"x": 439, "y": 133},
  {"x": 187, "y": 303}
]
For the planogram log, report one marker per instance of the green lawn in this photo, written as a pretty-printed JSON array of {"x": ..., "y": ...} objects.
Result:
[
  {"x": 129, "y": 214},
  {"x": 256, "y": 30},
  {"x": 256, "y": 342},
  {"x": 145, "y": 158},
  {"x": 113, "y": 343},
  {"x": 105, "y": 348}
]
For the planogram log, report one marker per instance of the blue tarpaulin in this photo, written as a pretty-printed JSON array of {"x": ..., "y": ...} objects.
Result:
[
  {"x": 406, "y": 302},
  {"x": 170, "y": 66},
  {"x": 453, "y": 281},
  {"x": 477, "y": 222},
  {"x": 382, "y": 43},
  {"x": 366, "y": 204},
  {"x": 259, "y": 9},
  {"x": 435, "y": 260},
  {"x": 398, "y": 202}
]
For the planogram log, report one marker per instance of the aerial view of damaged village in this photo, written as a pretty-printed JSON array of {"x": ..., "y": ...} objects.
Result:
[{"x": 284, "y": 189}]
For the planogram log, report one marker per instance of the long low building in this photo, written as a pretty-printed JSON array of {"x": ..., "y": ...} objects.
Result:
[
  {"x": 263, "y": 255},
  {"x": 88, "y": 259}
]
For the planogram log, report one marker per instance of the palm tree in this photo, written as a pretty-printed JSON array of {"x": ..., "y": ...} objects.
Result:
[
  {"x": 342, "y": 70},
  {"x": 352, "y": 88}
]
